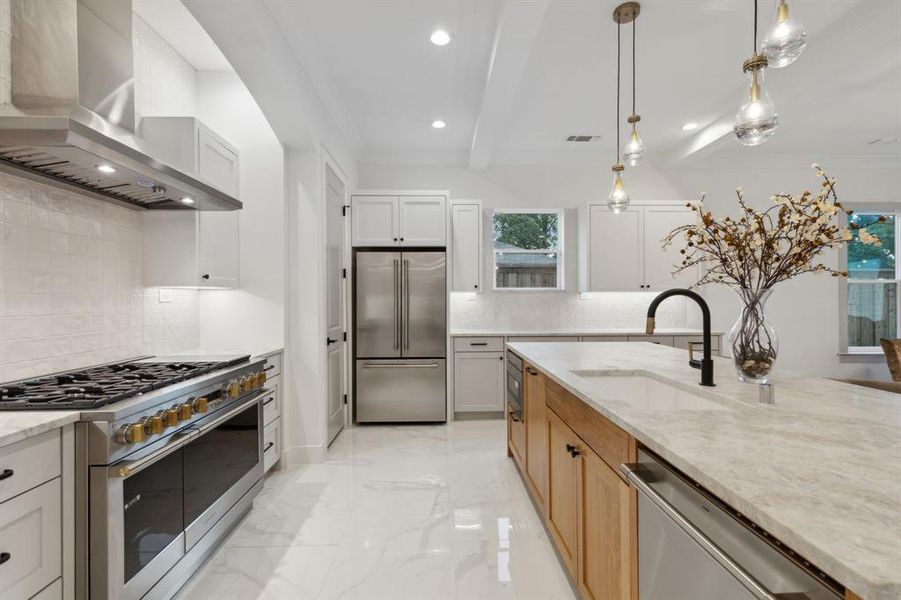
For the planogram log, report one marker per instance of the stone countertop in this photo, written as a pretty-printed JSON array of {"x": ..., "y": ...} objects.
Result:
[
  {"x": 17, "y": 425},
  {"x": 544, "y": 332},
  {"x": 820, "y": 470},
  {"x": 253, "y": 351}
]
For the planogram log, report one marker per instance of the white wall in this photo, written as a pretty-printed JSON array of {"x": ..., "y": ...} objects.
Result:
[
  {"x": 254, "y": 315},
  {"x": 569, "y": 187},
  {"x": 805, "y": 312},
  {"x": 165, "y": 83}
]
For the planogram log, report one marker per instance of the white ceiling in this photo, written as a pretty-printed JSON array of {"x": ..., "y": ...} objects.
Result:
[{"x": 520, "y": 76}]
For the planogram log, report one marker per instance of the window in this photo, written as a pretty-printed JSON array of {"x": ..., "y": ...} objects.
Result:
[
  {"x": 528, "y": 249},
  {"x": 870, "y": 295}
]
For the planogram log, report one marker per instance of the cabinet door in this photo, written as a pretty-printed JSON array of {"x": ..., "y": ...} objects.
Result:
[
  {"x": 218, "y": 249},
  {"x": 615, "y": 249},
  {"x": 466, "y": 246},
  {"x": 659, "y": 263},
  {"x": 563, "y": 483},
  {"x": 605, "y": 532},
  {"x": 423, "y": 221},
  {"x": 374, "y": 220},
  {"x": 217, "y": 163},
  {"x": 30, "y": 532},
  {"x": 536, "y": 432},
  {"x": 516, "y": 438},
  {"x": 478, "y": 381}
]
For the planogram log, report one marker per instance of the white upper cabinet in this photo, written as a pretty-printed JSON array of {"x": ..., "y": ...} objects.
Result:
[
  {"x": 374, "y": 220},
  {"x": 186, "y": 247},
  {"x": 398, "y": 220},
  {"x": 624, "y": 251},
  {"x": 466, "y": 245}
]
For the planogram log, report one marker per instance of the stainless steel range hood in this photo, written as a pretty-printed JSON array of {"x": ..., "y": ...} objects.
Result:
[{"x": 67, "y": 111}]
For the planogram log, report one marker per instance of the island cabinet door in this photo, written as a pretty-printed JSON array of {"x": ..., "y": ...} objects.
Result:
[
  {"x": 605, "y": 532},
  {"x": 536, "y": 433},
  {"x": 563, "y": 483}
]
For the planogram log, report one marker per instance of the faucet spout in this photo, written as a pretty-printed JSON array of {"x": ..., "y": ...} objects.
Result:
[{"x": 706, "y": 363}]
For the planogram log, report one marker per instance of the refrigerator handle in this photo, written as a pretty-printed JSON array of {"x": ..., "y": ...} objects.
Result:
[
  {"x": 406, "y": 308},
  {"x": 396, "y": 304}
]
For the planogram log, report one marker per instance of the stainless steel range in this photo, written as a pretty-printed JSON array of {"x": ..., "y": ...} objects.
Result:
[{"x": 168, "y": 459}]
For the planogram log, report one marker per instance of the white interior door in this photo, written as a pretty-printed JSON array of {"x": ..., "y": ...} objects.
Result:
[{"x": 336, "y": 298}]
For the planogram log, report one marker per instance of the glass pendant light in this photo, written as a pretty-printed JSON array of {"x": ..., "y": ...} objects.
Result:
[
  {"x": 618, "y": 199},
  {"x": 634, "y": 150},
  {"x": 785, "y": 40},
  {"x": 756, "y": 120}
]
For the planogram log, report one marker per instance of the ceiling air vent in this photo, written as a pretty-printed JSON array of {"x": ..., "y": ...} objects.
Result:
[{"x": 582, "y": 138}]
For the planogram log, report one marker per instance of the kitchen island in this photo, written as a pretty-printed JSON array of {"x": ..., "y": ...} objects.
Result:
[{"x": 820, "y": 470}]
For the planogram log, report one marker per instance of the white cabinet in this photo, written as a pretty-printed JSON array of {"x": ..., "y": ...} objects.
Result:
[
  {"x": 624, "y": 251},
  {"x": 186, "y": 247},
  {"x": 466, "y": 246},
  {"x": 478, "y": 381},
  {"x": 272, "y": 411},
  {"x": 398, "y": 220}
]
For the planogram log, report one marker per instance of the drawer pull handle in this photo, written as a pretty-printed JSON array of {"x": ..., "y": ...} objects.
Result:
[
  {"x": 573, "y": 451},
  {"x": 5, "y": 556},
  {"x": 514, "y": 417},
  {"x": 268, "y": 446},
  {"x": 6, "y": 474},
  {"x": 531, "y": 371},
  {"x": 478, "y": 343},
  {"x": 269, "y": 401},
  {"x": 269, "y": 368}
]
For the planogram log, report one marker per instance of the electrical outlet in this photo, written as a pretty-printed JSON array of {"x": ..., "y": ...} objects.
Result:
[{"x": 165, "y": 296}]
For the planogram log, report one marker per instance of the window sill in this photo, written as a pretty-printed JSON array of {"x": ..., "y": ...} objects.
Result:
[{"x": 866, "y": 356}]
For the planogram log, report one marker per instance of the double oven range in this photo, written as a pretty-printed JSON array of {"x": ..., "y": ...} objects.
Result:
[{"x": 168, "y": 459}]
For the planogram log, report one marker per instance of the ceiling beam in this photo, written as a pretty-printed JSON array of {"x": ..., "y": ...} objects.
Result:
[
  {"x": 517, "y": 31},
  {"x": 825, "y": 48}
]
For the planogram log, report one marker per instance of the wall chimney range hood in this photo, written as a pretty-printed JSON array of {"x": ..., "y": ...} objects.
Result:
[{"x": 67, "y": 112}]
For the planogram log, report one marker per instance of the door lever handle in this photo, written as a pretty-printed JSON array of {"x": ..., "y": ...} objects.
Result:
[{"x": 329, "y": 341}]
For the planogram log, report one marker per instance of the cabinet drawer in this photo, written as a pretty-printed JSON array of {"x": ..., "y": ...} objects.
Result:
[
  {"x": 608, "y": 441},
  {"x": 273, "y": 365},
  {"x": 54, "y": 591},
  {"x": 665, "y": 340},
  {"x": 516, "y": 438},
  {"x": 605, "y": 338},
  {"x": 32, "y": 462},
  {"x": 31, "y": 533},
  {"x": 271, "y": 403},
  {"x": 544, "y": 338},
  {"x": 272, "y": 446},
  {"x": 478, "y": 344}
]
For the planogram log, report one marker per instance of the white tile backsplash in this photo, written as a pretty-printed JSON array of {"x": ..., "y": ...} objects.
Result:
[
  {"x": 71, "y": 291},
  {"x": 537, "y": 311}
]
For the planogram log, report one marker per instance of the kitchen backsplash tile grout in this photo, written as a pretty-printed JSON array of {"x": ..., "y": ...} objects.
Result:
[{"x": 71, "y": 291}]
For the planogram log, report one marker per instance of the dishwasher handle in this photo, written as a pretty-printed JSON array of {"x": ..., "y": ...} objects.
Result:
[{"x": 631, "y": 472}]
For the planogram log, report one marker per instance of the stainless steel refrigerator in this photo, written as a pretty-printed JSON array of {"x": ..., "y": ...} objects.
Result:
[{"x": 400, "y": 341}]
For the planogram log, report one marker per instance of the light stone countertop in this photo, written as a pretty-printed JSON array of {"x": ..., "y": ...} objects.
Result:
[
  {"x": 17, "y": 425},
  {"x": 820, "y": 470},
  {"x": 545, "y": 332},
  {"x": 253, "y": 351}
]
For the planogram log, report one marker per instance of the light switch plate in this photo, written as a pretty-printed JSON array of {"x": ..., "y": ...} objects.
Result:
[{"x": 165, "y": 296}]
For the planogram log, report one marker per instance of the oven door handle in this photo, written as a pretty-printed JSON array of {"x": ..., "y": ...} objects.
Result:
[{"x": 129, "y": 468}]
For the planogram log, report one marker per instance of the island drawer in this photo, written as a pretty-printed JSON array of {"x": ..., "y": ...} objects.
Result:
[
  {"x": 478, "y": 344},
  {"x": 29, "y": 463},
  {"x": 610, "y": 442}
]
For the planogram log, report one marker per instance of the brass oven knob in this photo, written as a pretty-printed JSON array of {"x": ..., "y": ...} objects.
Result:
[
  {"x": 170, "y": 417},
  {"x": 200, "y": 405},
  {"x": 246, "y": 384},
  {"x": 131, "y": 433},
  {"x": 263, "y": 377},
  {"x": 153, "y": 425},
  {"x": 234, "y": 389},
  {"x": 185, "y": 411}
]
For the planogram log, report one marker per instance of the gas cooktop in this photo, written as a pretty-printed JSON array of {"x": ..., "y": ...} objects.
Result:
[{"x": 102, "y": 385}]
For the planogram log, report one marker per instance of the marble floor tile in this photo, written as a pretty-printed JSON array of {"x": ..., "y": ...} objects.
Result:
[{"x": 393, "y": 513}]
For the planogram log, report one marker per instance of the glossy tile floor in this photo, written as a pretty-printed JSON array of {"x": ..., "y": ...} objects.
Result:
[{"x": 394, "y": 513}]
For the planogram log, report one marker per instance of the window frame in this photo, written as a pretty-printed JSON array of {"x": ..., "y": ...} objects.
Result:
[
  {"x": 867, "y": 209},
  {"x": 559, "y": 250}
]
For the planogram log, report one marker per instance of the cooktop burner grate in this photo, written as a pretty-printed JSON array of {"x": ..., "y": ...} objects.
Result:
[{"x": 98, "y": 386}]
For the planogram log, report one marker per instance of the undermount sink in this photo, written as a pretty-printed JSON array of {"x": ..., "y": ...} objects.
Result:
[{"x": 646, "y": 392}]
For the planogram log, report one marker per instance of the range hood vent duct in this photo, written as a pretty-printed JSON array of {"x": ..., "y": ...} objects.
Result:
[{"x": 68, "y": 107}]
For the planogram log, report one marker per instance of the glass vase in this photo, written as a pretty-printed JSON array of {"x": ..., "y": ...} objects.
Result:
[{"x": 753, "y": 339}]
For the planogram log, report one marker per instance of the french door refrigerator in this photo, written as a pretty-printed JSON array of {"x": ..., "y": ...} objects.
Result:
[{"x": 400, "y": 342}]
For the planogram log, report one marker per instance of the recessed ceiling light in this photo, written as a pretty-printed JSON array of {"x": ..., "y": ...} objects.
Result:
[
  {"x": 106, "y": 169},
  {"x": 691, "y": 125},
  {"x": 440, "y": 37},
  {"x": 439, "y": 124},
  {"x": 187, "y": 200}
]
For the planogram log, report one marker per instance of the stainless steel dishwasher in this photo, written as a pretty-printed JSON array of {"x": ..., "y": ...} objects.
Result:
[{"x": 693, "y": 547}]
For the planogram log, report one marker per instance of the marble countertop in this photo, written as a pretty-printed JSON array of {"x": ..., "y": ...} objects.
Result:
[
  {"x": 253, "y": 351},
  {"x": 545, "y": 332},
  {"x": 820, "y": 469},
  {"x": 19, "y": 425}
]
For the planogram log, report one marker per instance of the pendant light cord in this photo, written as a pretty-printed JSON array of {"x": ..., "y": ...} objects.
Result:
[
  {"x": 754, "y": 49},
  {"x": 618, "y": 50},
  {"x": 633, "y": 64}
]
